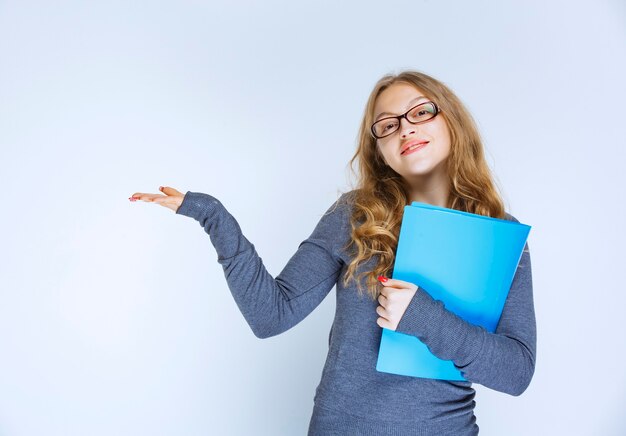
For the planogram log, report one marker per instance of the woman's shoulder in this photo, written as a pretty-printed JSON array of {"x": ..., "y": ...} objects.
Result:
[
  {"x": 509, "y": 217},
  {"x": 337, "y": 217},
  {"x": 349, "y": 197},
  {"x": 333, "y": 228},
  {"x": 345, "y": 200}
]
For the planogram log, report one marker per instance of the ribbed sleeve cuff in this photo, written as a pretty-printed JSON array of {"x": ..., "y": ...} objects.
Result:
[
  {"x": 198, "y": 205},
  {"x": 447, "y": 335},
  {"x": 418, "y": 317}
]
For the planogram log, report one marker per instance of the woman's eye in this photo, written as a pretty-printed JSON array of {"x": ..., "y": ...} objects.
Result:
[{"x": 423, "y": 111}]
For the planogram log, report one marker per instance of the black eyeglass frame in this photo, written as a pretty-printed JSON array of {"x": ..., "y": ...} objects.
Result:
[{"x": 404, "y": 115}]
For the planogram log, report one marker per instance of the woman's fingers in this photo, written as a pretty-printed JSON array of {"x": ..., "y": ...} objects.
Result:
[
  {"x": 170, "y": 191},
  {"x": 382, "y": 300},
  {"x": 381, "y": 311},
  {"x": 386, "y": 281},
  {"x": 172, "y": 200},
  {"x": 144, "y": 196},
  {"x": 396, "y": 283},
  {"x": 138, "y": 196}
]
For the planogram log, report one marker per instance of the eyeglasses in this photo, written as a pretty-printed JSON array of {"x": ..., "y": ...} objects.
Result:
[{"x": 416, "y": 115}]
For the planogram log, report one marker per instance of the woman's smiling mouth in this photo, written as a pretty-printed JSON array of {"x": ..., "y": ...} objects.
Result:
[{"x": 414, "y": 147}]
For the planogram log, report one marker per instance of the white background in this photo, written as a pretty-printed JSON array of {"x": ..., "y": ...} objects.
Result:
[{"x": 115, "y": 317}]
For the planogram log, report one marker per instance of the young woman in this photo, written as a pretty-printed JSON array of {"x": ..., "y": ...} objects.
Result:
[{"x": 417, "y": 142}]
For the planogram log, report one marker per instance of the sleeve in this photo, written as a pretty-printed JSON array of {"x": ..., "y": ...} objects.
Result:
[
  {"x": 503, "y": 360},
  {"x": 271, "y": 305}
]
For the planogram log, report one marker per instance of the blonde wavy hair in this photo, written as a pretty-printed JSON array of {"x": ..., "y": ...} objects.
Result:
[{"x": 381, "y": 194}]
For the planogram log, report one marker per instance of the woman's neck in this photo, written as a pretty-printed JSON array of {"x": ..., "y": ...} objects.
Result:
[
  {"x": 431, "y": 198},
  {"x": 432, "y": 191}
]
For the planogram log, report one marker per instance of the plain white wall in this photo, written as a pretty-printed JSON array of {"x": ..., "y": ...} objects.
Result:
[{"x": 115, "y": 317}]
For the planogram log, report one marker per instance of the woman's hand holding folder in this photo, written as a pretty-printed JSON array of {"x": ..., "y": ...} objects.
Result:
[{"x": 394, "y": 298}]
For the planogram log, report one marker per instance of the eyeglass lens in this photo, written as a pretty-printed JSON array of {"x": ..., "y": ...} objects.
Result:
[{"x": 418, "y": 114}]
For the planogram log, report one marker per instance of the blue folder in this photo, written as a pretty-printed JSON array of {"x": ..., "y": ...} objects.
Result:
[{"x": 465, "y": 260}]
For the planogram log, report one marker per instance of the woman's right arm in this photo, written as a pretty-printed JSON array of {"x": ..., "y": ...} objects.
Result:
[{"x": 273, "y": 305}]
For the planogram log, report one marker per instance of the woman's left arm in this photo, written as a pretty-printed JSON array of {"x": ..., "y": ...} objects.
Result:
[{"x": 504, "y": 360}]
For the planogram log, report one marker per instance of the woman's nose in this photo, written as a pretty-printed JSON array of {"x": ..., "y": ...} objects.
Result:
[{"x": 406, "y": 127}]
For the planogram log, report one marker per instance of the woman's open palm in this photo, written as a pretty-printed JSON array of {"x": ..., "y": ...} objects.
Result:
[{"x": 172, "y": 198}]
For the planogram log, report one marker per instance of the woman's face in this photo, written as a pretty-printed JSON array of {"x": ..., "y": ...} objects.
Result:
[{"x": 424, "y": 162}]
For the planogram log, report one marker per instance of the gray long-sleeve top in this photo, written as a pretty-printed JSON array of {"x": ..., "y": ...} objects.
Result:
[{"x": 350, "y": 386}]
